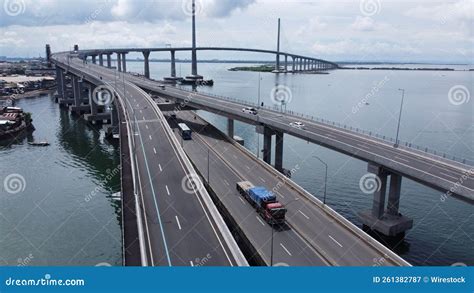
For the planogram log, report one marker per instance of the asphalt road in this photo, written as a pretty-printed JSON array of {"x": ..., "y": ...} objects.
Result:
[
  {"x": 312, "y": 237},
  {"x": 178, "y": 228}
]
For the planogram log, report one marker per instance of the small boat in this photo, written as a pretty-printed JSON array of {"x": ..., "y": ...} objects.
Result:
[{"x": 39, "y": 143}]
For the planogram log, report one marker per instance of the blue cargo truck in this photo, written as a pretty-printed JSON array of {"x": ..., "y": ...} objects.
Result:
[{"x": 264, "y": 201}]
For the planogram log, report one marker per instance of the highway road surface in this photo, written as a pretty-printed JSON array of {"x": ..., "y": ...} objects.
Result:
[
  {"x": 311, "y": 235},
  {"x": 179, "y": 230}
]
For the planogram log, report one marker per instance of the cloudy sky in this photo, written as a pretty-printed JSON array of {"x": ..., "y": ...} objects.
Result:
[{"x": 365, "y": 30}]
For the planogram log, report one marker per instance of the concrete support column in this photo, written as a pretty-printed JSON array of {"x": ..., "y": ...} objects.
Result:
[
  {"x": 101, "y": 60},
  {"x": 230, "y": 128},
  {"x": 115, "y": 118},
  {"x": 109, "y": 60},
  {"x": 94, "y": 59},
  {"x": 394, "y": 194},
  {"x": 267, "y": 145},
  {"x": 173, "y": 63},
  {"x": 378, "y": 205},
  {"x": 60, "y": 82},
  {"x": 293, "y": 66},
  {"x": 92, "y": 99},
  {"x": 76, "y": 90},
  {"x": 146, "y": 56},
  {"x": 124, "y": 62},
  {"x": 300, "y": 68},
  {"x": 279, "y": 151},
  {"x": 286, "y": 63},
  {"x": 119, "y": 61}
]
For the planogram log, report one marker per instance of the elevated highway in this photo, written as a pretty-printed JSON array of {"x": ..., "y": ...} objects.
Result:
[{"x": 176, "y": 226}]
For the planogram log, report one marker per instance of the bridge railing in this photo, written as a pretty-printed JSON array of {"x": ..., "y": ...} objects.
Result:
[{"x": 372, "y": 134}]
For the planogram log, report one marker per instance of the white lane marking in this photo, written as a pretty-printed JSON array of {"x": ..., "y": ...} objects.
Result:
[
  {"x": 283, "y": 246},
  {"x": 146, "y": 126},
  {"x": 335, "y": 240},
  {"x": 159, "y": 166},
  {"x": 402, "y": 159},
  {"x": 150, "y": 137},
  {"x": 247, "y": 167},
  {"x": 242, "y": 200},
  {"x": 261, "y": 222},
  {"x": 144, "y": 118},
  {"x": 330, "y": 135},
  {"x": 226, "y": 183},
  {"x": 141, "y": 112},
  {"x": 167, "y": 190},
  {"x": 154, "y": 150},
  {"x": 177, "y": 221},
  {"x": 262, "y": 179},
  {"x": 191, "y": 262},
  {"x": 303, "y": 214},
  {"x": 455, "y": 178}
]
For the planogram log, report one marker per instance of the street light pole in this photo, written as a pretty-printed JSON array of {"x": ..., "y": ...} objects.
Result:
[
  {"x": 399, "y": 116},
  {"x": 325, "y": 177}
]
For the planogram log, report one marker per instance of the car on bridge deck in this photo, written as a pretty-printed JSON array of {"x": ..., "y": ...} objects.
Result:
[
  {"x": 297, "y": 124},
  {"x": 250, "y": 110}
]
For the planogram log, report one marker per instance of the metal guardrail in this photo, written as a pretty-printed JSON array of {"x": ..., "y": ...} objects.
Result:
[{"x": 372, "y": 134}]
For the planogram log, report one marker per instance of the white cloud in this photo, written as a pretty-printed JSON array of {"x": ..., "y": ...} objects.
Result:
[{"x": 364, "y": 24}]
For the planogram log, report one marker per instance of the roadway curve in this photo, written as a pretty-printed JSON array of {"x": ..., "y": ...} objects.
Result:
[{"x": 178, "y": 228}]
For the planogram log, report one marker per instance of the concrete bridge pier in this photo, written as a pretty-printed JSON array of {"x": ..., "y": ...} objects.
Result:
[
  {"x": 101, "y": 59},
  {"x": 60, "y": 82},
  {"x": 119, "y": 61},
  {"x": 124, "y": 62},
  {"x": 173, "y": 63},
  {"x": 293, "y": 65},
  {"x": 92, "y": 104},
  {"x": 286, "y": 63},
  {"x": 389, "y": 222},
  {"x": 267, "y": 145},
  {"x": 94, "y": 59},
  {"x": 146, "y": 62},
  {"x": 300, "y": 67},
  {"x": 109, "y": 60},
  {"x": 279, "y": 151},
  {"x": 230, "y": 127}
]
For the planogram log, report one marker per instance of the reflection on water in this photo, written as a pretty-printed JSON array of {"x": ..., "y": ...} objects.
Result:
[{"x": 65, "y": 215}]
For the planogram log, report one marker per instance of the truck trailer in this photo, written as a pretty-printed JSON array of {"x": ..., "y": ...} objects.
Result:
[{"x": 264, "y": 201}]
